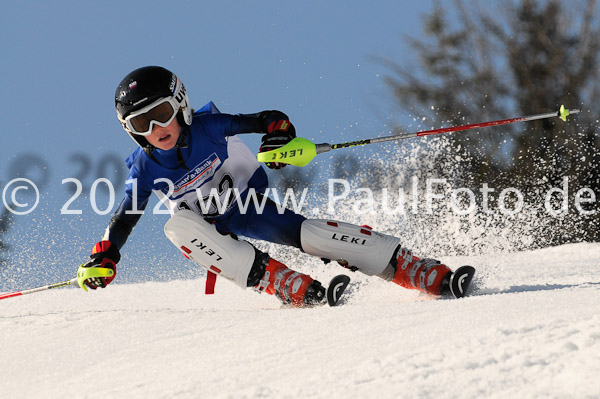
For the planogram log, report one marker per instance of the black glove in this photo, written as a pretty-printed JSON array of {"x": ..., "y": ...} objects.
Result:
[
  {"x": 105, "y": 254},
  {"x": 279, "y": 133}
]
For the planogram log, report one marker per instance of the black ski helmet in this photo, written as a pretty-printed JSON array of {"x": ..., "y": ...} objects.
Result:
[{"x": 146, "y": 85}]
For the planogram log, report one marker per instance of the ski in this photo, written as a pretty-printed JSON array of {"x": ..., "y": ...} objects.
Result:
[
  {"x": 461, "y": 280},
  {"x": 336, "y": 289}
]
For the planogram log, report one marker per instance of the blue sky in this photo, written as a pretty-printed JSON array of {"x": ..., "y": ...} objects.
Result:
[
  {"x": 62, "y": 60},
  {"x": 312, "y": 59}
]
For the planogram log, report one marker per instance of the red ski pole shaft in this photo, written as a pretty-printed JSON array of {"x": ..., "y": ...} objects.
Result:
[
  {"x": 38, "y": 289},
  {"x": 562, "y": 113}
]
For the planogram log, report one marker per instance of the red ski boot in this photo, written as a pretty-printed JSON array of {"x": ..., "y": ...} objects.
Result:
[
  {"x": 291, "y": 287},
  {"x": 426, "y": 275}
]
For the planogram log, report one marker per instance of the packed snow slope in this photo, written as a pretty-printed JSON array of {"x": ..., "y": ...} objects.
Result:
[{"x": 531, "y": 329}]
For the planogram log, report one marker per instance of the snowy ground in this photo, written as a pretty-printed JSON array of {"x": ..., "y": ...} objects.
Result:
[{"x": 530, "y": 330}]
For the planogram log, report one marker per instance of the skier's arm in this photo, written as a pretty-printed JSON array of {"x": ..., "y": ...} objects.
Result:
[
  {"x": 106, "y": 253},
  {"x": 123, "y": 222},
  {"x": 277, "y": 126},
  {"x": 256, "y": 123}
]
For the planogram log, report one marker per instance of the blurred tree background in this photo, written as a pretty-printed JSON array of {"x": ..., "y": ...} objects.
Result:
[
  {"x": 525, "y": 57},
  {"x": 481, "y": 61}
]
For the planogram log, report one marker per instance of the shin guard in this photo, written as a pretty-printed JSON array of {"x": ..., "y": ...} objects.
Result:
[
  {"x": 352, "y": 245},
  {"x": 201, "y": 242}
]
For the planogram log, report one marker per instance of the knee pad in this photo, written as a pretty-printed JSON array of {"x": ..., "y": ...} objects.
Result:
[
  {"x": 201, "y": 242},
  {"x": 357, "y": 246}
]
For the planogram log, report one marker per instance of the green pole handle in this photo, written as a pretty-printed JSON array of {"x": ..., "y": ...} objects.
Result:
[
  {"x": 298, "y": 152},
  {"x": 85, "y": 273}
]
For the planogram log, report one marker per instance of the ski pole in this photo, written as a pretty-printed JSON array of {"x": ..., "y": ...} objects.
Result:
[
  {"x": 82, "y": 274},
  {"x": 299, "y": 151},
  {"x": 38, "y": 289}
]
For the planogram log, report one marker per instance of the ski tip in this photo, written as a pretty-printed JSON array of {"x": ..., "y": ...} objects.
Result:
[
  {"x": 461, "y": 280},
  {"x": 336, "y": 289}
]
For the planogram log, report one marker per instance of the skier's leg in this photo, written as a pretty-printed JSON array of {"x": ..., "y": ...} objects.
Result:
[
  {"x": 353, "y": 246},
  {"x": 239, "y": 261},
  {"x": 372, "y": 253},
  {"x": 268, "y": 223}
]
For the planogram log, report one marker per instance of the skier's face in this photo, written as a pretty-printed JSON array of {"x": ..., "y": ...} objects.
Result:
[{"x": 165, "y": 138}]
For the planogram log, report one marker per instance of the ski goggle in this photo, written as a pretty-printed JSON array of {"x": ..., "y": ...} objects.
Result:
[{"x": 161, "y": 113}]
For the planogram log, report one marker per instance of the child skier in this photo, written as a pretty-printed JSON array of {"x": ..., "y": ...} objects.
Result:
[{"x": 183, "y": 155}]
